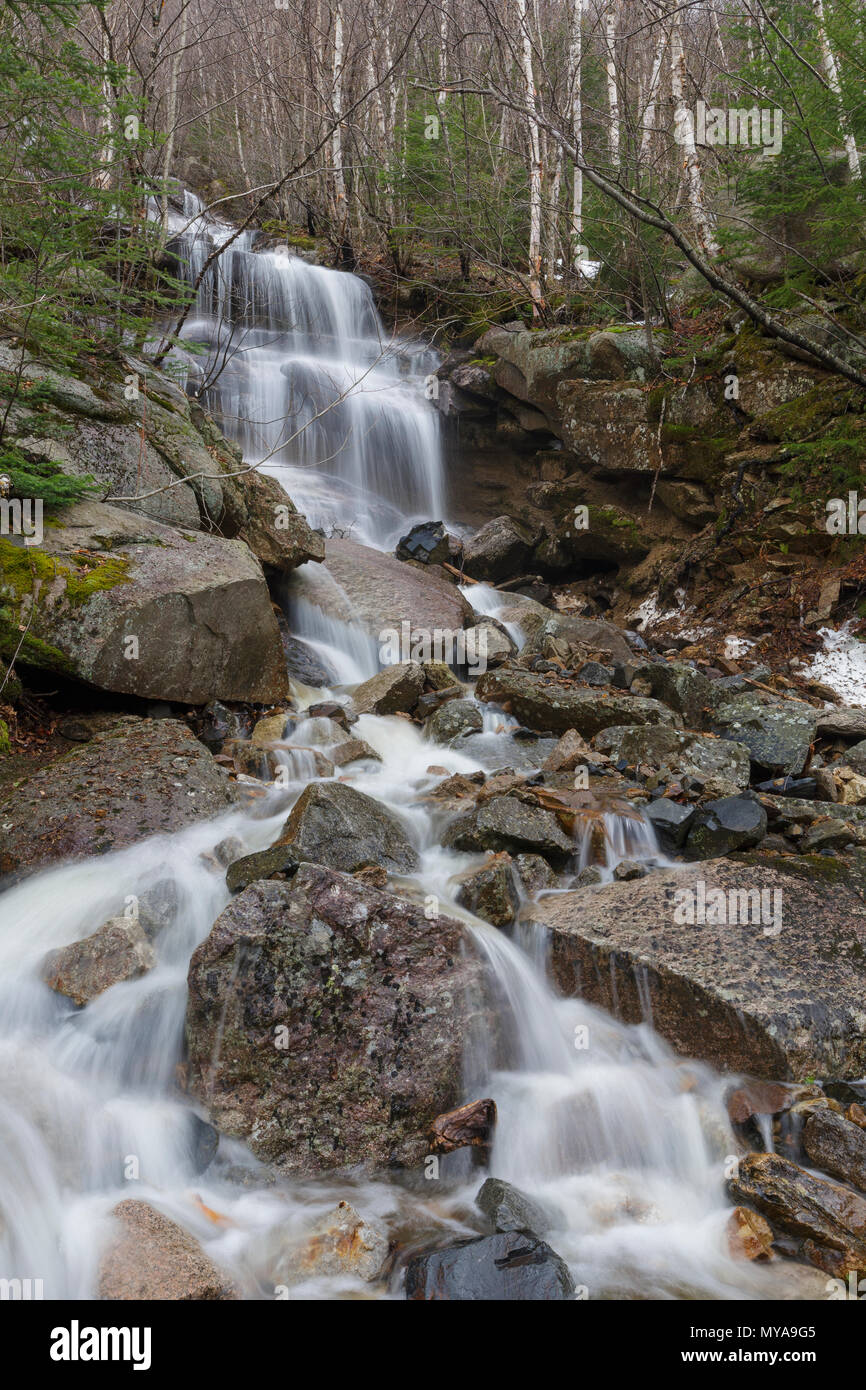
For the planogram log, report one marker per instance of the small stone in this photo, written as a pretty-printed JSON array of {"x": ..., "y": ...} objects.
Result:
[{"x": 118, "y": 951}]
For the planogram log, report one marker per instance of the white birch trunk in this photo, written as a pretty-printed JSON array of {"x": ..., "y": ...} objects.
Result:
[
  {"x": 831, "y": 68},
  {"x": 340, "y": 203},
  {"x": 649, "y": 117},
  {"x": 684, "y": 131},
  {"x": 575, "y": 86},
  {"x": 535, "y": 169},
  {"x": 612, "y": 88}
]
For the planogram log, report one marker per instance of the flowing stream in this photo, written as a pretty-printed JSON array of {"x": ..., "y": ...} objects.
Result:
[{"x": 624, "y": 1142}]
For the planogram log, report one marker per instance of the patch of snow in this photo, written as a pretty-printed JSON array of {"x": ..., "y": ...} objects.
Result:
[
  {"x": 841, "y": 665},
  {"x": 735, "y": 647}
]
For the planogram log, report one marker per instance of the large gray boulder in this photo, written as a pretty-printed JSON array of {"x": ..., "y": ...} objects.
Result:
[
  {"x": 778, "y": 736},
  {"x": 507, "y": 823},
  {"x": 381, "y": 592},
  {"x": 548, "y": 703},
  {"x": 499, "y": 550},
  {"x": 132, "y": 606},
  {"x": 135, "y": 778},
  {"x": 773, "y": 986},
  {"x": 327, "y": 1020},
  {"x": 337, "y": 825}
]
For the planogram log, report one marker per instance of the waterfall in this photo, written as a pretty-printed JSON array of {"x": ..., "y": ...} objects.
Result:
[{"x": 295, "y": 364}]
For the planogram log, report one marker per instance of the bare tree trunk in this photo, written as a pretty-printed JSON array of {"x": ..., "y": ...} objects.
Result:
[
  {"x": 649, "y": 115},
  {"x": 535, "y": 169},
  {"x": 341, "y": 206},
  {"x": 612, "y": 87},
  {"x": 831, "y": 68},
  {"x": 684, "y": 134},
  {"x": 575, "y": 88}
]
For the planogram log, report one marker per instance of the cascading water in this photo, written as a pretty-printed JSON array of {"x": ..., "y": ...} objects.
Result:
[
  {"x": 299, "y": 371},
  {"x": 620, "y": 1141}
]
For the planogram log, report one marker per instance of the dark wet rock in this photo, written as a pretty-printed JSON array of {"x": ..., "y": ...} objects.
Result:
[
  {"x": 593, "y": 673},
  {"x": 279, "y": 861},
  {"x": 330, "y": 709},
  {"x": 670, "y": 821},
  {"x": 394, "y": 690},
  {"x": 509, "y": 1209},
  {"x": 454, "y": 720},
  {"x": 512, "y": 1266},
  {"x": 765, "y": 1098},
  {"x": 137, "y": 778},
  {"x": 337, "y": 825},
  {"x": 426, "y": 543},
  {"x": 505, "y": 823},
  {"x": 534, "y": 873},
  {"x": 822, "y": 1214},
  {"x": 151, "y": 1257},
  {"x": 305, "y": 665},
  {"x": 720, "y": 762},
  {"x": 220, "y": 723},
  {"x": 833, "y": 1143},
  {"x": 720, "y": 827},
  {"x": 119, "y": 950},
  {"x": 498, "y": 551},
  {"x": 588, "y": 877},
  {"x": 550, "y": 705},
  {"x": 327, "y": 1020},
  {"x": 778, "y": 737},
  {"x": 779, "y": 997},
  {"x": 203, "y": 1142},
  {"x": 490, "y": 892}
]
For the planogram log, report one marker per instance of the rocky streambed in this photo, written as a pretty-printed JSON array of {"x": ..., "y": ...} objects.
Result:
[{"x": 523, "y": 987}]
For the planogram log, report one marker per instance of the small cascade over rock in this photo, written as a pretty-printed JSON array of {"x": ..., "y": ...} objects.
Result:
[{"x": 298, "y": 369}]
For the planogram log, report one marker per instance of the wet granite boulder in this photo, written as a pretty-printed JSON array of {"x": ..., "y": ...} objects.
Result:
[
  {"x": 511, "y": 1266},
  {"x": 327, "y": 1021},
  {"x": 499, "y": 550},
  {"x": 721, "y": 827},
  {"x": 509, "y": 1209},
  {"x": 135, "y": 778},
  {"x": 453, "y": 720},
  {"x": 777, "y": 736},
  {"x": 150, "y": 1257},
  {"x": 749, "y": 968},
  {"x": 394, "y": 690},
  {"x": 491, "y": 891},
  {"x": 550, "y": 704},
  {"x": 506, "y": 823},
  {"x": 833, "y": 1143},
  {"x": 830, "y": 1220},
  {"x": 335, "y": 824},
  {"x": 118, "y": 951}
]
